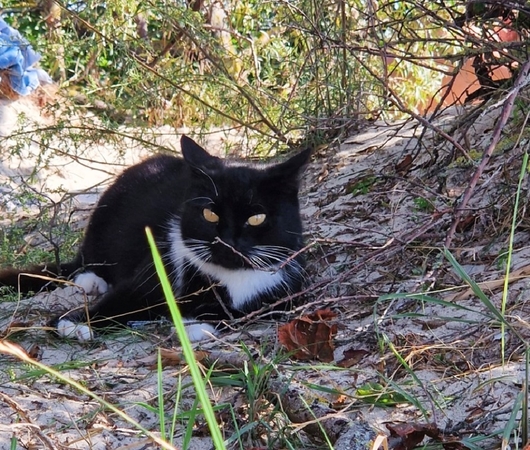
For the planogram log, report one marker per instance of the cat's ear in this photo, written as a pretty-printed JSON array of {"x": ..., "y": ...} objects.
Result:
[
  {"x": 285, "y": 176},
  {"x": 293, "y": 167},
  {"x": 195, "y": 155}
]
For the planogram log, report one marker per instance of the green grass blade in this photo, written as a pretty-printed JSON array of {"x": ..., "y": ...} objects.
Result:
[
  {"x": 524, "y": 413},
  {"x": 428, "y": 299},
  {"x": 411, "y": 372},
  {"x": 194, "y": 411},
  {"x": 474, "y": 286},
  {"x": 174, "y": 419},
  {"x": 187, "y": 350},
  {"x": 480, "y": 294},
  {"x": 469, "y": 443},
  {"x": 511, "y": 425}
]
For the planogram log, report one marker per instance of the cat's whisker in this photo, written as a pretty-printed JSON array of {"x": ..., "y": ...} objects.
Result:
[
  {"x": 260, "y": 264},
  {"x": 276, "y": 255},
  {"x": 271, "y": 259},
  {"x": 208, "y": 199}
]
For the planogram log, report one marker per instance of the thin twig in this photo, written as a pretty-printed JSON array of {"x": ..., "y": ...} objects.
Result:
[{"x": 521, "y": 81}]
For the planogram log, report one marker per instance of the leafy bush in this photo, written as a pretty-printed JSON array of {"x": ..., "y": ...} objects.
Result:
[{"x": 288, "y": 69}]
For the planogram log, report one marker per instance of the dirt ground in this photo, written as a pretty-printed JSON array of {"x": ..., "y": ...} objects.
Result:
[{"x": 378, "y": 208}]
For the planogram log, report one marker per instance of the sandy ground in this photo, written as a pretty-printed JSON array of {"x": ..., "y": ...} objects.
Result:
[{"x": 374, "y": 227}]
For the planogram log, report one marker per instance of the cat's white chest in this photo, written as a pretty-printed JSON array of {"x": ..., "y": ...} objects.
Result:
[{"x": 243, "y": 285}]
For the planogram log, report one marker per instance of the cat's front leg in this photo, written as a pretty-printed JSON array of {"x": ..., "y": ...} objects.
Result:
[
  {"x": 128, "y": 301},
  {"x": 72, "y": 325}
]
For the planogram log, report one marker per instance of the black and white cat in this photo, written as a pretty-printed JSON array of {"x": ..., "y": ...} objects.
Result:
[{"x": 228, "y": 233}]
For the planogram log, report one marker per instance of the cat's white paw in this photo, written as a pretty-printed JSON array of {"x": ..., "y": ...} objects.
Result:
[
  {"x": 81, "y": 332},
  {"x": 91, "y": 284},
  {"x": 199, "y": 331}
]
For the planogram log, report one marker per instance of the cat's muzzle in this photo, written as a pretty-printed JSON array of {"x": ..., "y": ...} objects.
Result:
[{"x": 225, "y": 254}]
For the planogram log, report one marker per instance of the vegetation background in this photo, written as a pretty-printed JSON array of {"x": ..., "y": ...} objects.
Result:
[{"x": 290, "y": 71}]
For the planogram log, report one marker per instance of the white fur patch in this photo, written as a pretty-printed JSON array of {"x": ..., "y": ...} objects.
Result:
[
  {"x": 199, "y": 331},
  {"x": 91, "y": 284},
  {"x": 81, "y": 332},
  {"x": 242, "y": 284}
]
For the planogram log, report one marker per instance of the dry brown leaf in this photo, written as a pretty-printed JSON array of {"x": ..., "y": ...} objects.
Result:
[
  {"x": 466, "y": 223},
  {"x": 409, "y": 435},
  {"x": 339, "y": 402},
  {"x": 403, "y": 166},
  {"x": 311, "y": 336},
  {"x": 35, "y": 351},
  {"x": 406, "y": 436},
  {"x": 352, "y": 356},
  {"x": 170, "y": 357}
]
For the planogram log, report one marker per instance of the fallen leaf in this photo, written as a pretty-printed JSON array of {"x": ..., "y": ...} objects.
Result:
[
  {"x": 352, "y": 356},
  {"x": 311, "y": 336},
  {"x": 34, "y": 351},
  {"x": 456, "y": 445},
  {"x": 406, "y": 436},
  {"x": 170, "y": 357},
  {"x": 409, "y": 434},
  {"x": 339, "y": 402},
  {"x": 403, "y": 167},
  {"x": 330, "y": 259},
  {"x": 466, "y": 223}
]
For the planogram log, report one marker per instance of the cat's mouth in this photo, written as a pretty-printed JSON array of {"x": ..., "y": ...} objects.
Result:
[{"x": 226, "y": 255}]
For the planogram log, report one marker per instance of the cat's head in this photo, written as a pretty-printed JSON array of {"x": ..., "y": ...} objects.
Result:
[{"x": 242, "y": 215}]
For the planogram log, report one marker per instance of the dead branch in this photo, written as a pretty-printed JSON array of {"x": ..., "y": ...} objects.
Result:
[{"x": 522, "y": 80}]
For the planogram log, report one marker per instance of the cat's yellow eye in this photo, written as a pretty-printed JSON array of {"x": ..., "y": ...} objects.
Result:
[
  {"x": 256, "y": 219},
  {"x": 210, "y": 216}
]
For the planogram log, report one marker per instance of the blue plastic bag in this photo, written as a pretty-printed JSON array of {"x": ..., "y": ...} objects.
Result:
[{"x": 17, "y": 57}]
